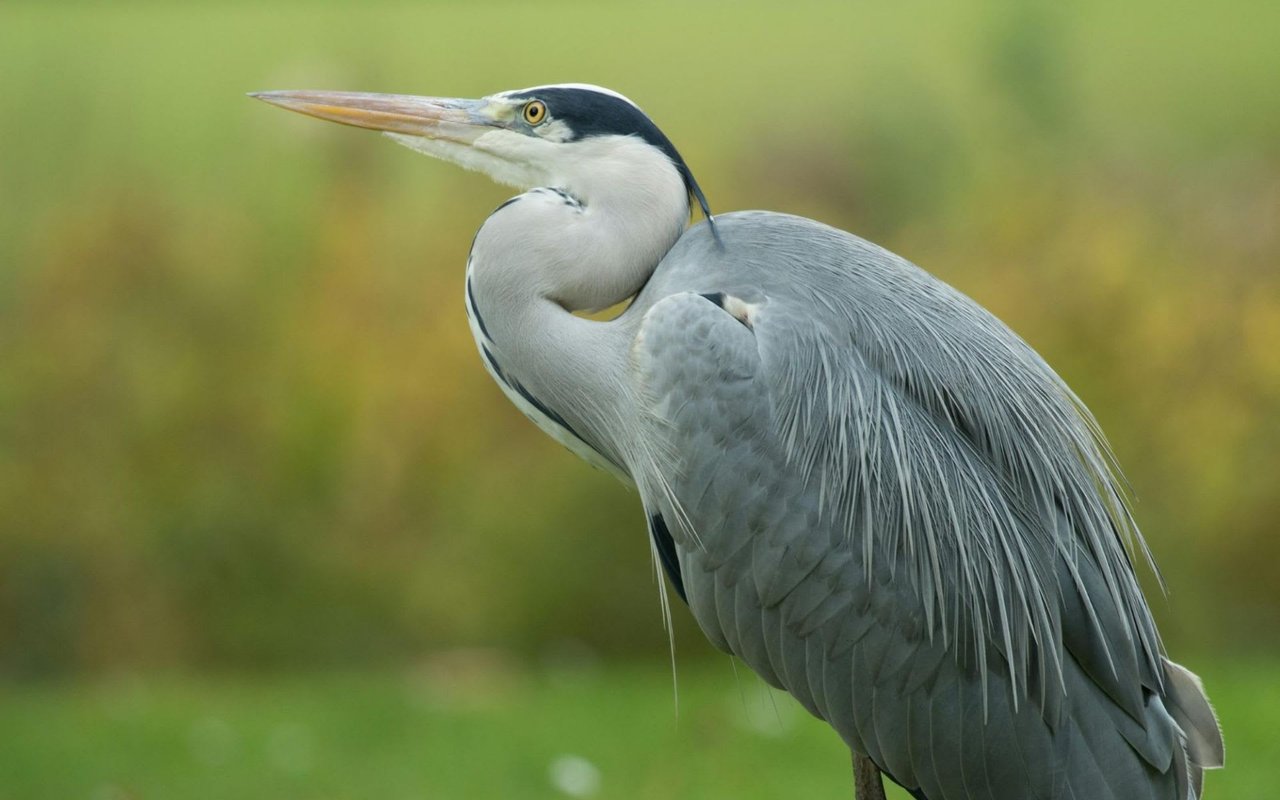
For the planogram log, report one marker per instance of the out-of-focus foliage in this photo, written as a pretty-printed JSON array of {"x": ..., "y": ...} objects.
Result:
[{"x": 242, "y": 421}]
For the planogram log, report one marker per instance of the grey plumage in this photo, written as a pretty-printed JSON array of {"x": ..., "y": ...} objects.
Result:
[
  {"x": 960, "y": 558},
  {"x": 866, "y": 486}
]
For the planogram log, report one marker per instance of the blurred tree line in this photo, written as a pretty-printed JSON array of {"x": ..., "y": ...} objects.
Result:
[{"x": 242, "y": 423}]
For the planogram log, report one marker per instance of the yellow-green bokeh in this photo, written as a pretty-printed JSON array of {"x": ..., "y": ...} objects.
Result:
[{"x": 241, "y": 420}]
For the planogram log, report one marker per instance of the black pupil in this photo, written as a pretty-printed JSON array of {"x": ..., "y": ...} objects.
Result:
[{"x": 535, "y": 111}]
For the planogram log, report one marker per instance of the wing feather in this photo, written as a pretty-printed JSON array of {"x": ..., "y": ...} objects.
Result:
[{"x": 901, "y": 515}]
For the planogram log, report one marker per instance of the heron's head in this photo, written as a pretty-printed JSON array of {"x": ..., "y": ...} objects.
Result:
[{"x": 571, "y": 136}]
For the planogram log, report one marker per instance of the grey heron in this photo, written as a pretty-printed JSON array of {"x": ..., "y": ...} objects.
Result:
[{"x": 863, "y": 484}]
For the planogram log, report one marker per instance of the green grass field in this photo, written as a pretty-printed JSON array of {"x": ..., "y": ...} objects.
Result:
[{"x": 472, "y": 725}]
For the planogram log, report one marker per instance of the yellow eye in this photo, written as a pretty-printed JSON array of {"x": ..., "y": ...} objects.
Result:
[{"x": 535, "y": 112}]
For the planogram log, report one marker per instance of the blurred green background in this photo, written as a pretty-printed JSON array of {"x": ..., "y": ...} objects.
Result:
[{"x": 268, "y": 530}]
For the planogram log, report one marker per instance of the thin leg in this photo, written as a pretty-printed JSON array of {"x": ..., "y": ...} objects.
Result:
[{"x": 866, "y": 779}]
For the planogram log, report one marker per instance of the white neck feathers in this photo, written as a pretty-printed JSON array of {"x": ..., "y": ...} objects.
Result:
[{"x": 595, "y": 247}]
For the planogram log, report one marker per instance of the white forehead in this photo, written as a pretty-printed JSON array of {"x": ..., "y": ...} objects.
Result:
[{"x": 590, "y": 87}]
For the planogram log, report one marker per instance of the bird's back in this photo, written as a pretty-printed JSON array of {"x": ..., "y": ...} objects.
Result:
[{"x": 886, "y": 503}]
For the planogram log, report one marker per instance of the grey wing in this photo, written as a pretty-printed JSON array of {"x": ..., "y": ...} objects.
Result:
[{"x": 951, "y": 697}]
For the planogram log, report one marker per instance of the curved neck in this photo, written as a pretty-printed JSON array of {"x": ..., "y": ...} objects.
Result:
[
  {"x": 590, "y": 244},
  {"x": 591, "y": 240}
]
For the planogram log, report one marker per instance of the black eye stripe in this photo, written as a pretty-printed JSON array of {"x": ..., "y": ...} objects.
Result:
[{"x": 585, "y": 113}]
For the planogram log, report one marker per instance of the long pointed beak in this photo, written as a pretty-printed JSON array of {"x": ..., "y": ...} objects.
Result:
[{"x": 449, "y": 119}]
